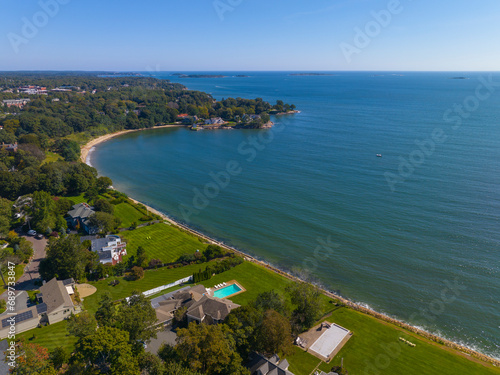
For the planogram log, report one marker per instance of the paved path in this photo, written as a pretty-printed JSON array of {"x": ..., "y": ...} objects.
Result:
[{"x": 31, "y": 271}]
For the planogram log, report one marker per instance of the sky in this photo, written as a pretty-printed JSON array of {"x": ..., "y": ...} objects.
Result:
[{"x": 250, "y": 35}]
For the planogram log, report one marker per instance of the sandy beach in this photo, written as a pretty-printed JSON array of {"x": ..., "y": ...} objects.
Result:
[
  {"x": 459, "y": 349},
  {"x": 85, "y": 150}
]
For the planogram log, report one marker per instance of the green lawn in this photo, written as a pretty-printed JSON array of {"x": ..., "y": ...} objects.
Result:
[
  {"x": 301, "y": 362},
  {"x": 167, "y": 243},
  {"x": 151, "y": 279},
  {"x": 51, "y": 336},
  {"x": 77, "y": 199},
  {"x": 51, "y": 157},
  {"x": 127, "y": 214},
  {"x": 254, "y": 278},
  {"x": 375, "y": 349}
]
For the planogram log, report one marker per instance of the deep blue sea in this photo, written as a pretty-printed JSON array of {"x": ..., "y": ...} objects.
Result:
[{"x": 413, "y": 233}]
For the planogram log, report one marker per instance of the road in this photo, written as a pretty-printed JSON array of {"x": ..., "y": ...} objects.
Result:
[{"x": 31, "y": 271}]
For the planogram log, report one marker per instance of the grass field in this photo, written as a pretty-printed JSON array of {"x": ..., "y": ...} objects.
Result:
[
  {"x": 301, "y": 362},
  {"x": 77, "y": 198},
  {"x": 51, "y": 157},
  {"x": 151, "y": 279},
  {"x": 127, "y": 214},
  {"x": 51, "y": 336},
  {"x": 167, "y": 243},
  {"x": 375, "y": 349}
]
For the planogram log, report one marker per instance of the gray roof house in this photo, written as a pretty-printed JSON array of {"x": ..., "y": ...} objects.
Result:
[
  {"x": 200, "y": 307},
  {"x": 78, "y": 217},
  {"x": 210, "y": 310},
  {"x": 260, "y": 365},
  {"x": 55, "y": 305},
  {"x": 55, "y": 294}
]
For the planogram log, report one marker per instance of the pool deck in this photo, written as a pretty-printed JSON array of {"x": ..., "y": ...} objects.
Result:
[{"x": 211, "y": 290}]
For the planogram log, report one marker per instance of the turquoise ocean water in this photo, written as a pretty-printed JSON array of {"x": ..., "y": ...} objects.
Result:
[{"x": 413, "y": 233}]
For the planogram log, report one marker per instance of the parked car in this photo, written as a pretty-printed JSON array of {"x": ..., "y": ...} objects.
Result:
[
  {"x": 31, "y": 232},
  {"x": 39, "y": 236}
]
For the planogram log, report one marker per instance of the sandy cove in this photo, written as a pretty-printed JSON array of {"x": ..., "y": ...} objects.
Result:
[
  {"x": 404, "y": 327},
  {"x": 85, "y": 149}
]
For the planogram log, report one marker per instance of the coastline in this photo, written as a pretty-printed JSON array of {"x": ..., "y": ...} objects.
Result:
[
  {"x": 86, "y": 148},
  {"x": 461, "y": 350}
]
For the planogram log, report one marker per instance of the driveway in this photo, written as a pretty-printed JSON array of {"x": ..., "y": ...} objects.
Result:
[
  {"x": 168, "y": 337},
  {"x": 31, "y": 271}
]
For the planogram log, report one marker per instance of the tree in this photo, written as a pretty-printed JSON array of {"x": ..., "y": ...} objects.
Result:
[
  {"x": 81, "y": 325},
  {"x": 25, "y": 250},
  {"x": 137, "y": 273},
  {"x": 137, "y": 317},
  {"x": 106, "y": 351},
  {"x": 5, "y": 216},
  {"x": 42, "y": 211},
  {"x": 104, "y": 206},
  {"x": 58, "y": 357},
  {"x": 65, "y": 258},
  {"x": 271, "y": 301},
  {"x": 308, "y": 305},
  {"x": 213, "y": 251},
  {"x": 274, "y": 334},
  {"x": 177, "y": 369},
  {"x": 104, "y": 222},
  {"x": 209, "y": 349},
  {"x": 102, "y": 184},
  {"x": 244, "y": 323},
  {"x": 106, "y": 313},
  {"x": 141, "y": 259},
  {"x": 33, "y": 359},
  {"x": 150, "y": 364}
]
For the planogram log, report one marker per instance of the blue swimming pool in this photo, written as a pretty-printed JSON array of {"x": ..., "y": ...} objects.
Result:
[{"x": 227, "y": 291}]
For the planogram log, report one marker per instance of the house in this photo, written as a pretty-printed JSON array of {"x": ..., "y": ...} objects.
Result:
[
  {"x": 182, "y": 116},
  {"x": 23, "y": 321},
  {"x": 20, "y": 103},
  {"x": 210, "y": 310},
  {"x": 79, "y": 216},
  {"x": 111, "y": 249},
  {"x": 200, "y": 307},
  {"x": 214, "y": 121},
  {"x": 56, "y": 296},
  {"x": 260, "y": 365},
  {"x": 166, "y": 305},
  {"x": 9, "y": 146},
  {"x": 55, "y": 305}
]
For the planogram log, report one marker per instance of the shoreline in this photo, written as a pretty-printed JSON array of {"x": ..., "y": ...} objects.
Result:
[
  {"x": 86, "y": 148},
  {"x": 461, "y": 349}
]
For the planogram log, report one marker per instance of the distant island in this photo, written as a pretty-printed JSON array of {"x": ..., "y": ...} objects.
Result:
[
  {"x": 241, "y": 76},
  {"x": 181, "y": 75},
  {"x": 459, "y": 78},
  {"x": 311, "y": 74}
]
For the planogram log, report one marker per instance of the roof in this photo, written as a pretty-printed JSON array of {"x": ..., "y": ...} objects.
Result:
[
  {"x": 155, "y": 302},
  {"x": 216, "y": 308},
  {"x": 55, "y": 295},
  {"x": 195, "y": 293},
  {"x": 81, "y": 210},
  {"x": 24, "y": 315},
  {"x": 260, "y": 365},
  {"x": 104, "y": 255},
  {"x": 97, "y": 244}
]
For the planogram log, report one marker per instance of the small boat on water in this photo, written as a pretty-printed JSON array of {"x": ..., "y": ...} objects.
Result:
[{"x": 379, "y": 155}]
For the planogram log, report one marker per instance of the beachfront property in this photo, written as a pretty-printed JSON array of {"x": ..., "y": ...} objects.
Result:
[
  {"x": 111, "y": 249},
  {"x": 260, "y": 365},
  {"x": 19, "y": 103},
  {"x": 215, "y": 121},
  {"x": 78, "y": 217},
  {"x": 200, "y": 307},
  {"x": 55, "y": 305}
]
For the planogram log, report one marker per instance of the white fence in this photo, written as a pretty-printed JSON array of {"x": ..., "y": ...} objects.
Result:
[{"x": 163, "y": 287}]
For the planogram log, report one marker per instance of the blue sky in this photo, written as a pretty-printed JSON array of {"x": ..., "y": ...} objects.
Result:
[{"x": 211, "y": 35}]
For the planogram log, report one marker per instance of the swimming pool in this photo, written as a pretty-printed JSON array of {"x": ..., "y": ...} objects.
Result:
[{"x": 227, "y": 291}]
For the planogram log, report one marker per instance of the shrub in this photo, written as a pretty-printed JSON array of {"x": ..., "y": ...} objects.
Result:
[{"x": 136, "y": 273}]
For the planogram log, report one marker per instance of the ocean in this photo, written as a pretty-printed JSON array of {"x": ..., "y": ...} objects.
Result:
[{"x": 384, "y": 189}]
